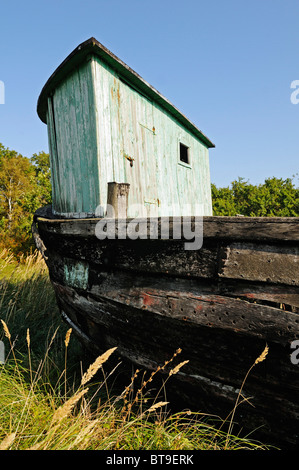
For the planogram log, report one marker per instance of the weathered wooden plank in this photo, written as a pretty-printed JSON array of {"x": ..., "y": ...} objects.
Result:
[
  {"x": 274, "y": 264},
  {"x": 76, "y": 143},
  {"x": 54, "y": 158},
  {"x": 62, "y": 139},
  {"x": 138, "y": 256},
  {"x": 218, "y": 360},
  {"x": 188, "y": 275},
  {"x": 281, "y": 297},
  {"x": 145, "y": 331},
  {"x": 286, "y": 297},
  {"x": 195, "y": 388},
  {"x": 86, "y": 129},
  {"x": 220, "y": 228},
  {"x": 174, "y": 299},
  {"x": 213, "y": 311},
  {"x": 261, "y": 263},
  {"x": 102, "y": 125},
  {"x": 252, "y": 228}
]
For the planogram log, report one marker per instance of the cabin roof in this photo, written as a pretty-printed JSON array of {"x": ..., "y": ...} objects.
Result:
[{"x": 93, "y": 47}]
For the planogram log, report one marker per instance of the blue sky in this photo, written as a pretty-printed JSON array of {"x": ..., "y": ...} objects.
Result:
[{"x": 227, "y": 65}]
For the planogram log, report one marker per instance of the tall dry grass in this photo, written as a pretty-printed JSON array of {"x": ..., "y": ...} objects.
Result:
[{"x": 51, "y": 399}]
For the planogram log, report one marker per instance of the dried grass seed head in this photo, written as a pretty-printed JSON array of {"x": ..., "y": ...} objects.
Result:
[{"x": 93, "y": 368}]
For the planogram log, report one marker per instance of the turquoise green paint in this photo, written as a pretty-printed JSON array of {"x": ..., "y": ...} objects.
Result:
[
  {"x": 101, "y": 129},
  {"x": 76, "y": 274},
  {"x": 73, "y": 145}
]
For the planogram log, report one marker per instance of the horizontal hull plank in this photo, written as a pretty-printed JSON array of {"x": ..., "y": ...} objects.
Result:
[
  {"x": 211, "y": 311},
  {"x": 142, "y": 256},
  {"x": 282, "y": 296},
  {"x": 218, "y": 361},
  {"x": 246, "y": 262},
  {"x": 205, "y": 339},
  {"x": 229, "y": 228},
  {"x": 258, "y": 262}
]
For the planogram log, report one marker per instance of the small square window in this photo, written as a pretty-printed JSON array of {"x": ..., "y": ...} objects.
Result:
[{"x": 184, "y": 154}]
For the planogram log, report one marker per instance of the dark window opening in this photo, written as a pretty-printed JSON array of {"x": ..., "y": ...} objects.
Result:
[{"x": 184, "y": 153}]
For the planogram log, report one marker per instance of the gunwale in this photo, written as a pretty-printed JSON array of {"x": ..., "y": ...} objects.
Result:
[{"x": 284, "y": 229}]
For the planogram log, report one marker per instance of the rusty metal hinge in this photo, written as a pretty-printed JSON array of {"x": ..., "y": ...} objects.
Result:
[{"x": 131, "y": 159}]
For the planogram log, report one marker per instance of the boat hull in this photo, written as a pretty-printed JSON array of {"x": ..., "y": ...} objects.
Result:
[{"x": 219, "y": 305}]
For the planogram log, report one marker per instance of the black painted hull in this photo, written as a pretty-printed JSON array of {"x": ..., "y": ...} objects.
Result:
[{"x": 221, "y": 305}]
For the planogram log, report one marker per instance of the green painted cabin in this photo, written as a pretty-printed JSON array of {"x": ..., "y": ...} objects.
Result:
[{"x": 106, "y": 124}]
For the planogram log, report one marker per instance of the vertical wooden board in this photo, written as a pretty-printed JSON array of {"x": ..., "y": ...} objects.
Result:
[
  {"x": 195, "y": 181},
  {"x": 148, "y": 157},
  {"x": 72, "y": 138},
  {"x": 53, "y": 159},
  {"x": 60, "y": 119},
  {"x": 92, "y": 144},
  {"x": 76, "y": 143},
  {"x": 103, "y": 136},
  {"x": 78, "y": 158},
  {"x": 103, "y": 125},
  {"x": 130, "y": 155},
  {"x": 115, "y": 125},
  {"x": 198, "y": 196},
  {"x": 56, "y": 161},
  {"x": 167, "y": 177},
  {"x": 139, "y": 175},
  {"x": 85, "y": 118},
  {"x": 137, "y": 137},
  {"x": 70, "y": 150},
  {"x": 69, "y": 147},
  {"x": 73, "y": 144},
  {"x": 206, "y": 180},
  {"x": 188, "y": 189}
]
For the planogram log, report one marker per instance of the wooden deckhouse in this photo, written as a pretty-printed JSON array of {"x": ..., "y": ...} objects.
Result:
[{"x": 106, "y": 124}]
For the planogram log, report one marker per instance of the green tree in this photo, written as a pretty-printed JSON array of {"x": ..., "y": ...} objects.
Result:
[
  {"x": 24, "y": 186},
  {"x": 41, "y": 162},
  {"x": 274, "y": 198},
  {"x": 223, "y": 201}
]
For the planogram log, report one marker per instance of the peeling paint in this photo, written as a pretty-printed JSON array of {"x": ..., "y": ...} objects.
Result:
[
  {"x": 76, "y": 274},
  {"x": 101, "y": 130}
]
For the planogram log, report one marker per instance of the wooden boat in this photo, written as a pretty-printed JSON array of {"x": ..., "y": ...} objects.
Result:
[{"x": 221, "y": 304}]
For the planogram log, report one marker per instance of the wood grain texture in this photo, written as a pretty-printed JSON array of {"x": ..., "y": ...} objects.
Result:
[
  {"x": 221, "y": 305},
  {"x": 267, "y": 263},
  {"x": 282, "y": 230},
  {"x": 102, "y": 129},
  {"x": 73, "y": 146}
]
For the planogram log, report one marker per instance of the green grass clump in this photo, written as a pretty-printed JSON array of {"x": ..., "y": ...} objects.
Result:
[{"x": 51, "y": 398}]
